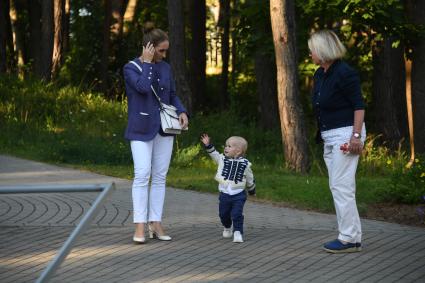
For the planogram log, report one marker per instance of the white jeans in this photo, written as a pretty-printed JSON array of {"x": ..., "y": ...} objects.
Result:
[
  {"x": 151, "y": 158},
  {"x": 342, "y": 182}
]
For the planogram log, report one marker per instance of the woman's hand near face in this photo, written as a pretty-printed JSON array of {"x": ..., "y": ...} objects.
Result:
[
  {"x": 355, "y": 146},
  {"x": 184, "y": 121},
  {"x": 148, "y": 53}
]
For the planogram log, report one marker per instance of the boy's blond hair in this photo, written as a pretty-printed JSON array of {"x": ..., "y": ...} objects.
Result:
[{"x": 240, "y": 142}]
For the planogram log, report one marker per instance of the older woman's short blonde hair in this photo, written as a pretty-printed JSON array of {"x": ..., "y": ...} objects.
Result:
[{"x": 326, "y": 45}]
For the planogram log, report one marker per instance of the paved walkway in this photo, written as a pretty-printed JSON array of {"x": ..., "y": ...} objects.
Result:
[{"x": 281, "y": 244}]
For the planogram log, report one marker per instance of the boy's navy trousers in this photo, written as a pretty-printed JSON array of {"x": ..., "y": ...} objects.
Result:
[{"x": 231, "y": 210}]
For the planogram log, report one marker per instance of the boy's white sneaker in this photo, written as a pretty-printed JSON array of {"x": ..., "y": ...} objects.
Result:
[
  {"x": 227, "y": 233},
  {"x": 237, "y": 237}
]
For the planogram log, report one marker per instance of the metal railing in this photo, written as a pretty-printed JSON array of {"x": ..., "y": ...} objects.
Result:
[{"x": 104, "y": 189}]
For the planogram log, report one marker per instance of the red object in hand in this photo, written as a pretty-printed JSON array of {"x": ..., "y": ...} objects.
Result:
[{"x": 344, "y": 147}]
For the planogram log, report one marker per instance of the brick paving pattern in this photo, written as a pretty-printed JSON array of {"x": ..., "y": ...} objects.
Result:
[{"x": 281, "y": 244}]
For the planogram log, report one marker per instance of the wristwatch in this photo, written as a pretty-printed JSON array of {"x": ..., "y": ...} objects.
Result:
[{"x": 357, "y": 135}]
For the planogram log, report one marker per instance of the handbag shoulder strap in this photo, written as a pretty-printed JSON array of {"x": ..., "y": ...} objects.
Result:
[
  {"x": 138, "y": 67},
  {"x": 161, "y": 106},
  {"x": 156, "y": 95},
  {"x": 153, "y": 90}
]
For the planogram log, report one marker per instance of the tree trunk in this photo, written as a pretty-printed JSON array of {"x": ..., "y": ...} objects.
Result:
[
  {"x": 177, "y": 51},
  {"x": 290, "y": 110},
  {"x": 4, "y": 11},
  {"x": 65, "y": 28},
  {"x": 118, "y": 8},
  {"x": 418, "y": 75},
  {"x": 129, "y": 14},
  {"x": 10, "y": 53},
  {"x": 197, "y": 51},
  {"x": 59, "y": 12},
  {"x": 224, "y": 24},
  {"x": 234, "y": 17},
  {"x": 46, "y": 45},
  {"x": 389, "y": 101},
  {"x": 265, "y": 75},
  {"x": 105, "y": 47},
  {"x": 34, "y": 12},
  {"x": 18, "y": 30},
  {"x": 117, "y": 13}
]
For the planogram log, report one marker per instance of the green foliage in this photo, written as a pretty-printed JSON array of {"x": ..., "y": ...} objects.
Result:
[
  {"x": 383, "y": 16},
  {"x": 82, "y": 63},
  {"x": 61, "y": 124},
  {"x": 186, "y": 156},
  {"x": 407, "y": 183},
  {"x": 376, "y": 158},
  {"x": 263, "y": 146},
  {"x": 83, "y": 60},
  {"x": 360, "y": 24},
  {"x": 243, "y": 98},
  {"x": 253, "y": 31}
]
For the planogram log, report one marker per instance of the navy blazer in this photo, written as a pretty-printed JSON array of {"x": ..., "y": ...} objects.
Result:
[
  {"x": 144, "y": 121},
  {"x": 336, "y": 95}
]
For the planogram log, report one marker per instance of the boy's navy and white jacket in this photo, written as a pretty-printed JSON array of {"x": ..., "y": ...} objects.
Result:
[
  {"x": 144, "y": 121},
  {"x": 233, "y": 174}
]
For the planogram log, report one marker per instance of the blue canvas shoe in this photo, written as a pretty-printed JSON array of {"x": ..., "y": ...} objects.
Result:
[
  {"x": 359, "y": 247},
  {"x": 336, "y": 247}
]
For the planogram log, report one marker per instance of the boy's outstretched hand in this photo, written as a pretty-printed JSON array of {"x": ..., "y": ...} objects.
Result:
[{"x": 205, "y": 139}]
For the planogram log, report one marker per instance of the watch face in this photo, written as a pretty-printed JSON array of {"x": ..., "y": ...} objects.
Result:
[{"x": 356, "y": 135}]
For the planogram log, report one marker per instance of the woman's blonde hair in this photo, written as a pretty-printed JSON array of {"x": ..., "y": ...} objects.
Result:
[{"x": 326, "y": 45}]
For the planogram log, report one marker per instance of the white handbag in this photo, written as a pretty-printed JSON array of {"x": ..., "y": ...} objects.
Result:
[{"x": 170, "y": 123}]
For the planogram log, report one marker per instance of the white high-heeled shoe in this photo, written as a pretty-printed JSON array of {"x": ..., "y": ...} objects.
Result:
[
  {"x": 139, "y": 240},
  {"x": 153, "y": 234}
]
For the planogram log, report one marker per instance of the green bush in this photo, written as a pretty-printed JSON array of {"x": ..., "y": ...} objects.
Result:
[
  {"x": 61, "y": 124},
  {"x": 264, "y": 147},
  {"x": 185, "y": 157},
  {"x": 379, "y": 160},
  {"x": 407, "y": 183}
]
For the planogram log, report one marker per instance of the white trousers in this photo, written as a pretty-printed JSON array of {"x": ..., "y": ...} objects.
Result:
[
  {"x": 151, "y": 159},
  {"x": 342, "y": 182}
]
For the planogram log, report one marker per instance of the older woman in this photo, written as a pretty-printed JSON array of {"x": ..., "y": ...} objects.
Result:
[
  {"x": 151, "y": 148},
  {"x": 339, "y": 109}
]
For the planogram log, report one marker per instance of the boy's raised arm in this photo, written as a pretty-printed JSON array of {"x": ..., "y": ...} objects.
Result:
[{"x": 215, "y": 155}]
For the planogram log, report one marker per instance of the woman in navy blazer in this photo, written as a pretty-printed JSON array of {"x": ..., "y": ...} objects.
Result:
[
  {"x": 151, "y": 148},
  {"x": 339, "y": 108}
]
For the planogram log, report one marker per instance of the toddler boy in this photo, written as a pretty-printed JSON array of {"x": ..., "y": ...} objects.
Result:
[{"x": 234, "y": 175}]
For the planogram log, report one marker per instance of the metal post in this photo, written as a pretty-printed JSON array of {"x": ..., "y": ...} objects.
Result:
[{"x": 105, "y": 190}]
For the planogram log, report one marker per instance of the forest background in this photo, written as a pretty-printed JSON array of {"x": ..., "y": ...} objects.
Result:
[{"x": 241, "y": 68}]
